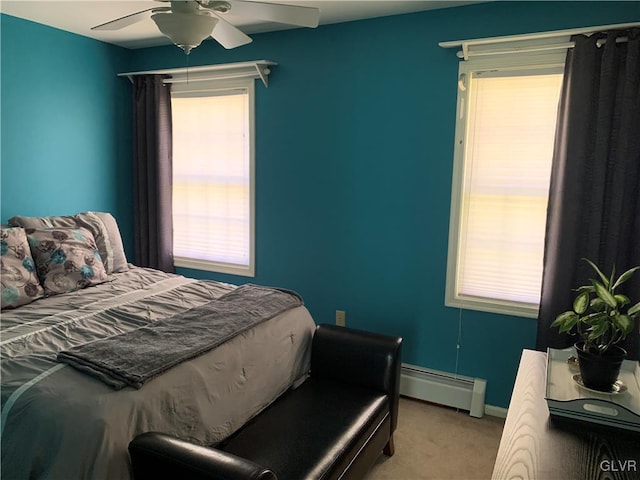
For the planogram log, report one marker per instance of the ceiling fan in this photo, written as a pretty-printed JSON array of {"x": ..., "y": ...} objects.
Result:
[{"x": 188, "y": 23}]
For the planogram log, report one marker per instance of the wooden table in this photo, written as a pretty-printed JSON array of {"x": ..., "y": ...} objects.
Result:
[{"x": 536, "y": 446}]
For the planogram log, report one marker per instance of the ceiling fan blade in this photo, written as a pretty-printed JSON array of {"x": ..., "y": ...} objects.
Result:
[
  {"x": 127, "y": 20},
  {"x": 229, "y": 36},
  {"x": 275, "y": 12}
]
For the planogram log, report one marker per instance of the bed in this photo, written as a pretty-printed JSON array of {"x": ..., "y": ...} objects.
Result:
[{"x": 58, "y": 422}]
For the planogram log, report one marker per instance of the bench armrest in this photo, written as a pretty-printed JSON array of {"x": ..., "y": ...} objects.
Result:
[
  {"x": 156, "y": 455},
  {"x": 356, "y": 357}
]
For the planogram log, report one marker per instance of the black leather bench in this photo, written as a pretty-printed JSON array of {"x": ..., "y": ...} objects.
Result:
[{"x": 335, "y": 425}]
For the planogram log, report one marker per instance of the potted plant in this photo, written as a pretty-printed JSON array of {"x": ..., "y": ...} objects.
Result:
[{"x": 601, "y": 318}]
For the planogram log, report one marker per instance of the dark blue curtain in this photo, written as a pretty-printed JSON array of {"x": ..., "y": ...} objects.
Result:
[
  {"x": 153, "y": 173},
  {"x": 594, "y": 199}
]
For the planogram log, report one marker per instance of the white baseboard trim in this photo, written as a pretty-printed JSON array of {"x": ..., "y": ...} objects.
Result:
[{"x": 494, "y": 411}]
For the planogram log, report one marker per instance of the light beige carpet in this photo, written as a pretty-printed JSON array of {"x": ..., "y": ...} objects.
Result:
[{"x": 440, "y": 443}]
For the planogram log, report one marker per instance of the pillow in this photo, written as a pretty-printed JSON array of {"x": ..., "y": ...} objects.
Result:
[
  {"x": 20, "y": 284},
  {"x": 102, "y": 226},
  {"x": 67, "y": 259},
  {"x": 65, "y": 221},
  {"x": 107, "y": 234}
]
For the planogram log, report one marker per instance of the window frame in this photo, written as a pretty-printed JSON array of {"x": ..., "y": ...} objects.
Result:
[
  {"x": 503, "y": 63},
  {"x": 217, "y": 87}
]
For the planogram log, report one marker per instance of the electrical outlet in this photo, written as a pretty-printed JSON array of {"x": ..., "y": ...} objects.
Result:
[{"x": 341, "y": 318}]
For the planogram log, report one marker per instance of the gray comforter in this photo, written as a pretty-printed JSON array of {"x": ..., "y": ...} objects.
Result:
[
  {"x": 59, "y": 423},
  {"x": 135, "y": 357}
]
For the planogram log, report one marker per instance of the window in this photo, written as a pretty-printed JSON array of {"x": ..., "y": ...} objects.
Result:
[
  {"x": 213, "y": 177},
  {"x": 505, "y": 132}
]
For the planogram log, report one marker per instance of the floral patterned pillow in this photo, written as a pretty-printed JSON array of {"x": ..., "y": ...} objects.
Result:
[
  {"x": 20, "y": 284},
  {"x": 102, "y": 225},
  {"x": 67, "y": 259}
]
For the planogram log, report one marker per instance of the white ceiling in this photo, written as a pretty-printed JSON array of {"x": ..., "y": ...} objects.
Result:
[{"x": 79, "y": 16}]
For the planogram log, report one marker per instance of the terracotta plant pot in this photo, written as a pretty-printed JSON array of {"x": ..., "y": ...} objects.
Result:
[{"x": 600, "y": 372}]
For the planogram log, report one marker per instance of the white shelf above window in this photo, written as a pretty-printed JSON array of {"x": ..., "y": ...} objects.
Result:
[
  {"x": 558, "y": 40},
  {"x": 226, "y": 71}
]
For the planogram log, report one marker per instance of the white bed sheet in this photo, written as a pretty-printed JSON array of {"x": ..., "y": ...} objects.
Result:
[{"x": 59, "y": 423}]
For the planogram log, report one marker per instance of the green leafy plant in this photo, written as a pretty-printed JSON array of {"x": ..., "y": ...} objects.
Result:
[{"x": 600, "y": 316}]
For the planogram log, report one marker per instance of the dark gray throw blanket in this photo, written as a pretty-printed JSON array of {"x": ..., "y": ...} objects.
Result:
[{"x": 135, "y": 357}]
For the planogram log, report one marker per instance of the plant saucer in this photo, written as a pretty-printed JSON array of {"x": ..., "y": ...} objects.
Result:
[{"x": 617, "y": 388}]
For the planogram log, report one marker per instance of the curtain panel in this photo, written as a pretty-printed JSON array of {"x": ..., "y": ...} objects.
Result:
[
  {"x": 594, "y": 198},
  {"x": 153, "y": 173}
]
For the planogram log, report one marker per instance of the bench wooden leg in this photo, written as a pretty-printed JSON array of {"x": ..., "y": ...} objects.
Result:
[{"x": 389, "y": 448}]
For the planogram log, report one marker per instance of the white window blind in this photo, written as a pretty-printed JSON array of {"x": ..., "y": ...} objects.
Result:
[
  {"x": 212, "y": 184},
  {"x": 499, "y": 205}
]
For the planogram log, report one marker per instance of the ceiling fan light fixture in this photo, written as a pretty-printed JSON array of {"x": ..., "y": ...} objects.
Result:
[{"x": 186, "y": 30}]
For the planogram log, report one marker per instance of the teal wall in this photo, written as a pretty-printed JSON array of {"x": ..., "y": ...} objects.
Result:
[
  {"x": 354, "y": 148},
  {"x": 66, "y": 123},
  {"x": 354, "y": 162}
]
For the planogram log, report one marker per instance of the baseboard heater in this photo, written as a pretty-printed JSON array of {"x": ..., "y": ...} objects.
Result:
[{"x": 457, "y": 391}]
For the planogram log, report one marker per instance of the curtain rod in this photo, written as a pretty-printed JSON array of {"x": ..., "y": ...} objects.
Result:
[
  {"x": 561, "y": 35},
  {"x": 602, "y": 41},
  {"x": 537, "y": 36},
  {"x": 542, "y": 48}
]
